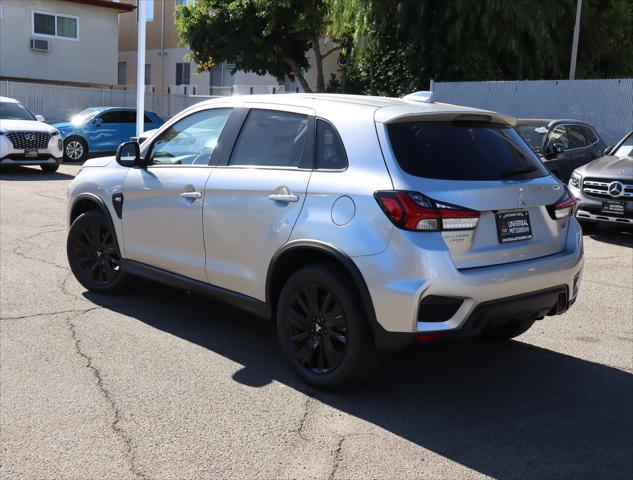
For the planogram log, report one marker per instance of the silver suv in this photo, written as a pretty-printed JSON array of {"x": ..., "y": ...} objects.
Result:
[{"x": 359, "y": 224}]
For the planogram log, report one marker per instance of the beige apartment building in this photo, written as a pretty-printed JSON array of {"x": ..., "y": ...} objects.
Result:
[
  {"x": 60, "y": 41},
  {"x": 167, "y": 71}
]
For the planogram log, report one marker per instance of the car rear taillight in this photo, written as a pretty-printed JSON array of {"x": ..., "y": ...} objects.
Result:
[
  {"x": 564, "y": 207},
  {"x": 415, "y": 211}
]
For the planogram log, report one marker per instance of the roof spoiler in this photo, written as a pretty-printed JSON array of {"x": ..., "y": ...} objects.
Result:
[{"x": 421, "y": 96}]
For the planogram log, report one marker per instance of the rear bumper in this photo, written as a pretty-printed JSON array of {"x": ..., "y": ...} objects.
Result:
[{"x": 399, "y": 278}]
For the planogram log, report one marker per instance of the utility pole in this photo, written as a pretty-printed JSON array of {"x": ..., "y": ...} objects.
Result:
[
  {"x": 574, "y": 46},
  {"x": 141, "y": 10}
]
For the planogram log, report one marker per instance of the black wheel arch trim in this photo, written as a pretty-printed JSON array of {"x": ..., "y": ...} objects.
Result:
[
  {"x": 384, "y": 339},
  {"x": 101, "y": 205}
]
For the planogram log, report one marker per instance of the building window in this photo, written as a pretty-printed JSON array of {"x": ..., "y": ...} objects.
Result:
[
  {"x": 51, "y": 25},
  {"x": 180, "y": 3},
  {"x": 221, "y": 76},
  {"x": 150, "y": 10},
  {"x": 122, "y": 73},
  {"x": 183, "y": 73},
  {"x": 148, "y": 74}
]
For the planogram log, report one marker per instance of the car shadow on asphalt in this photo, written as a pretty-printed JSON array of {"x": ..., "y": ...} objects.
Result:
[
  {"x": 27, "y": 174},
  {"x": 507, "y": 410},
  {"x": 612, "y": 234}
]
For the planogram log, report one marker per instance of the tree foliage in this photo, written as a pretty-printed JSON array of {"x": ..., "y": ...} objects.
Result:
[
  {"x": 479, "y": 40},
  {"x": 261, "y": 36}
]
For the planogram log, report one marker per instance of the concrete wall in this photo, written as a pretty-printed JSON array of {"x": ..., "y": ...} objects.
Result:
[
  {"x": 90, "y": 59},
  {"x": 605, "y": 104}
]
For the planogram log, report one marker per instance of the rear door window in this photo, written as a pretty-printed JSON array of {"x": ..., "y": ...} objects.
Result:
[
  {"x": 590, "y": 135},
  {"x": 271, "y": 138},
  {"x": 463, "y": 151},
  {"x": 577, "y": 137}
]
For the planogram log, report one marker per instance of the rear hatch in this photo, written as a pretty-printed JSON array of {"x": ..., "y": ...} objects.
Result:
[{"x": 482, "y": 166}]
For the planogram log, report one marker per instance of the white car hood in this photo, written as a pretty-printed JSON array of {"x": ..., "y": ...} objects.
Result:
[{"x": 25, "y": 126}]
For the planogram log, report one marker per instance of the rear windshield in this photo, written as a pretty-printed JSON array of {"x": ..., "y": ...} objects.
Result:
[{"x": 460, "y": 151}]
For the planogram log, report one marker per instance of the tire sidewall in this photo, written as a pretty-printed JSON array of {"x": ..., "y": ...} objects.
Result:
[{"x": 360, "y": 342}]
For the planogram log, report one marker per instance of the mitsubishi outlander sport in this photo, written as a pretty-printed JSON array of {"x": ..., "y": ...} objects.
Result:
[{"x": 359, "y": 224}]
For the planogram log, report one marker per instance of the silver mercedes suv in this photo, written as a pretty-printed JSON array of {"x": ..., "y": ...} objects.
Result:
[{"x": 359, "y": 224}]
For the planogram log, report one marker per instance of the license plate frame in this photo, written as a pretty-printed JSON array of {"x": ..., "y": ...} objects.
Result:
[
  {"x": 519, "y": 230},
  {"x": 613, "y": 207},
  {"x": 30, "y": 153}
]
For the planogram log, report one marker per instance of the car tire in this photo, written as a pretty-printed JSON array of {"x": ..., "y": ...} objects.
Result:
[
  {"x": 93, "y": 253},
  {"x": 509, "y": 330},
  {"x": 75, "y": 149},
  {"x": 50, "y": 168},
  {"x": 322, "y": 328}
]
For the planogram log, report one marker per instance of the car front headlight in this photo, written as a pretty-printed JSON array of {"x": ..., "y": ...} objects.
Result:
[
  {"x": 55, "y": 133},
  {"x": 575, "y": 180}
]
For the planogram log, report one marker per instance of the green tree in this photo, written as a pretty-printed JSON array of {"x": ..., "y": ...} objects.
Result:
[
  {"x": 261, "y": 36},
  {"x": 479, "y": 40}
]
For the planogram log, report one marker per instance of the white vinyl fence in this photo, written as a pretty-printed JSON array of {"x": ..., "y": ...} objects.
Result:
[{"x": 605, "y": 104}]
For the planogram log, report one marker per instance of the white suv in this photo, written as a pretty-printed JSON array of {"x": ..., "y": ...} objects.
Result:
[
  {"x": 358, "y": 223},
  {"x": 25, "y": 139}
]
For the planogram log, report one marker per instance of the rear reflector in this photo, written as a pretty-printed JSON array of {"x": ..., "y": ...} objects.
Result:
[
  {"x": 429, "y": 337},
  {"x": 564, "y": 207},
  {"x": 415, "y": 211}
]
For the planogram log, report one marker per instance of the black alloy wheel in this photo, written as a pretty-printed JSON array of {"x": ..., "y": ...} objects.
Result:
[
  {"x": 93, "y": 254},
  {"x": 323, "y": 329},
  {"x": 317, "y": 328}
]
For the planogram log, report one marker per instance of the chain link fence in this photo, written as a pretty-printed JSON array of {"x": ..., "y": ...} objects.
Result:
[{"x": 605, "y": 104}]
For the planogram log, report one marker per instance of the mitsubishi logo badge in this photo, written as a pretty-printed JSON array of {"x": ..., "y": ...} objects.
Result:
[{"x": 616, "y": 189}]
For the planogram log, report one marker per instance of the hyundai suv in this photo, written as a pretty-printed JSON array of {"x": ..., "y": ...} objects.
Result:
[
  {"x": 358, "y": 224},
  {"x": 25, "y": 139}
]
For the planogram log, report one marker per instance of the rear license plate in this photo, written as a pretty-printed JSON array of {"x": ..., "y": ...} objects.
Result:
[
  {"x": 513, "y": 226},
  {"x": 613, "y": 207},
  {"x": 30, "y": 153}
]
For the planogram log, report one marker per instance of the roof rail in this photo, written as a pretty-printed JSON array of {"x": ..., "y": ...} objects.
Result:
[{"x": 421, "y": 96}]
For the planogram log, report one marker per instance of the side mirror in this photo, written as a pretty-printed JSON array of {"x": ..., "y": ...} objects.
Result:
[
  {"x": 97, "y": 122},
  {"x": 129, "y": 155},
  {"x": 40, "y": 118},
  {"x": 607, "y": 150}
]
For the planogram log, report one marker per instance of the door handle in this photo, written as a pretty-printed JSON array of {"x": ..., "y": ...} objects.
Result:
[
  {"x": 283, "y": 197},
  {"x": 192, "y": 195}
]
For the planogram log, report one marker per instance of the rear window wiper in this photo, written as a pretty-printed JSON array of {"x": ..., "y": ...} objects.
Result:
[{"x": 512, "y": 172}]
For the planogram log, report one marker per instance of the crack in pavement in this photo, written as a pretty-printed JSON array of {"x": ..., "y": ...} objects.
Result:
[
  {"x": 338, "y": 456},
  {"x": 46, "y": 314},
  {"x": 115, "y": 425},
  {"x": 302, "y": 421}
]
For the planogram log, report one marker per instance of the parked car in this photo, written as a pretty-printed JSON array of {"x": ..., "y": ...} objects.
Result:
[
  {"x": 101, "y": 130},
  {"x": 358, "y": 223},
  {"x": 563, "y": 145},
  {"x": 604, "y": 187},
  {"x": 25, "y": 139}
]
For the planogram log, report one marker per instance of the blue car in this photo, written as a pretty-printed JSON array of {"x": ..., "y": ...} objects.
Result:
[{"x": 101, "y": 130}]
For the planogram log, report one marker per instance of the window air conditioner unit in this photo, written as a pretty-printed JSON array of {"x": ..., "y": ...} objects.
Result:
[{"x": 39, "y": 44}]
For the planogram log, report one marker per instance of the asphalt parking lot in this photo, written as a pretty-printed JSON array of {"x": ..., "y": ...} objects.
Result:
[{"x": 158, "y": 384}]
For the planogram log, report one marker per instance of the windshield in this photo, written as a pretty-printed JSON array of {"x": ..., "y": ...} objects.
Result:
[
  {"x": 85, "y": 115},
  {"x": 626, "y": 149},
  {"x": 14, "y": 111},
  {"x": 461, "y": 151},
  {"x": 533, "y": 135}
]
